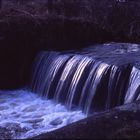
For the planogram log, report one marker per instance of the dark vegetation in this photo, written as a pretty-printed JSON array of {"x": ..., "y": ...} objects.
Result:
[{"x": 28, "y": 26}]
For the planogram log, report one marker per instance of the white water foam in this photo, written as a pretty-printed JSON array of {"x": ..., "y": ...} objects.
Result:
[{"x": 24, "y": 114}]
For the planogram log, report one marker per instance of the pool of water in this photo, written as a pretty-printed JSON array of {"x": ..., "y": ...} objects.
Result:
[{"x": 24, "y": 114}]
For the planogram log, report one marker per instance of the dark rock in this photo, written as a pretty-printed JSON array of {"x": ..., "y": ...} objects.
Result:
[
  {"x": 4, "y": 134},
  {"x": 11, "y": 130},
  {"x": 56, "y": 121}
]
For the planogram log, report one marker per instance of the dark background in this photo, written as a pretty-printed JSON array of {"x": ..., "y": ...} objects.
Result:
[{"x": 26, "y": 27}]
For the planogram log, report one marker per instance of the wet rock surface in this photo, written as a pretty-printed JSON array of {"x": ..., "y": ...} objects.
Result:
[
  {"x": 57, "y": 121},
  {"x": 11, "y": 130},
  {"x": 121, "y": 122},
  {"x": 119, "y": 54}
]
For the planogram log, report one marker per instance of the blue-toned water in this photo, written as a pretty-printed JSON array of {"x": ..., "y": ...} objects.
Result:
[
  {"x": 68, "y": 86},
  {"x": 24, "y": 114},
  {"x": 93, "y": 79}
]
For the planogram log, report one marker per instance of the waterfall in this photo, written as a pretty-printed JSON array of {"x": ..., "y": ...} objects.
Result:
[
  {"x": 81, "y": 81},
  {"x": 133, "y": 91}
]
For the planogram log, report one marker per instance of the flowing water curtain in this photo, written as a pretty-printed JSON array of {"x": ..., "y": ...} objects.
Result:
[
  {"x": 66, "y": 78},
  {"x": 133, "y": 91},
  {"x": 81, "y": 81},
  {"x": 77, "y": 82},
  {"x": 112, "y": 85},
  {"x": 40, "y": 69},
  {"x": 36, "y": 67},
  {"x": 97, "y": 76},
  {"x": 51, "y": 80}
]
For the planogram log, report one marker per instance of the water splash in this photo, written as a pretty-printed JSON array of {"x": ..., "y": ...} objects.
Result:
[
  {"x": 80, "y": 81},
  {"x": 24, "y": 114}
]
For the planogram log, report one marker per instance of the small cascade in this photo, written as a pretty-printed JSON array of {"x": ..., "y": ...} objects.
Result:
[
  {"x": 133, "y": 92},
  {"x": 81, "y": 81},
  {"x": 66, "y": 78},
  {"x": 42, "y": 61},
  {"x": 100, "y": 69}
]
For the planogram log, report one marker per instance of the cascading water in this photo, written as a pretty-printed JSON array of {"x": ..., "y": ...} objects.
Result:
[
  {"x": 69, "y": 86},
  {"x": 133, "y": 92},
  {"x": 82, "y": 82}
]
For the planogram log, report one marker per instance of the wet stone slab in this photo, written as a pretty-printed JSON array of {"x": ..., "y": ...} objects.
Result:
[{"x": 114, "y": 53}]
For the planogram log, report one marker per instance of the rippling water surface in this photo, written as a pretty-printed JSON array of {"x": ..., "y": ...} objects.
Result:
[{"x": 24, "y": 114}]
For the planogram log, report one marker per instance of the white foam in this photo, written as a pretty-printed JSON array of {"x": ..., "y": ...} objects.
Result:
[{"x": 25, "y": 114}]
